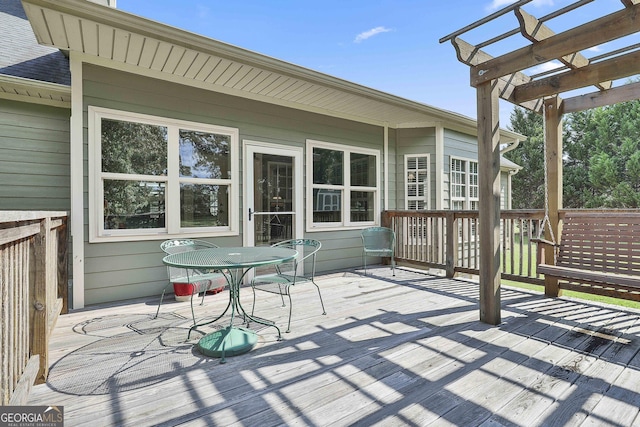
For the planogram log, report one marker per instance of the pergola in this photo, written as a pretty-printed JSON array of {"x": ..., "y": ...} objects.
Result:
[{"x": 505, "y": 77}]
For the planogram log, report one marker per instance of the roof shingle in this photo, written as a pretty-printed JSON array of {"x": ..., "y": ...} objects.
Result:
[{"x": 20, "y": 53}]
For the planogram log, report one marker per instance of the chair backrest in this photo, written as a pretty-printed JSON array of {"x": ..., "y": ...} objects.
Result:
[
  {"x": 174, "y": 246},
  {"x": 376, "y": 238},
  {"x": 307, "y": 251}
]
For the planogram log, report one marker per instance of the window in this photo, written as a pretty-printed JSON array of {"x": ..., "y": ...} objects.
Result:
[
  {"x": 464, "y": 196},
  {"x": 416, "y": 181},
  {"x": 341, "y": 177},
  {"x": 153, "y": 176},
  {"x": 463, "y": 183}
]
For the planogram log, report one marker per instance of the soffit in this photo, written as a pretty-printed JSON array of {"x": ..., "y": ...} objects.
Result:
[
  {"x": 28, "y": 90},
  {"x": 159, "y": 50}
]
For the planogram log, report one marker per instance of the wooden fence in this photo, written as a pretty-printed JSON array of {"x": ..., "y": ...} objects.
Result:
[
  {"x": 424, "y": 238},
  {"x": 33, "y": 292}
]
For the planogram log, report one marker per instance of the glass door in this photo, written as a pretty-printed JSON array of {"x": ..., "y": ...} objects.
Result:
[{"x": 273, "y": 196}]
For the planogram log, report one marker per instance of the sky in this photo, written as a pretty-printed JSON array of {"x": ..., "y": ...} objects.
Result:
[{"x": 389, "y": 45}]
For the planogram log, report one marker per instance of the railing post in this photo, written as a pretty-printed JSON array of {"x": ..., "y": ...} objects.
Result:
[
  {"x": 63, "y": 271},
  {"x": 386, "y": 219},
  {"x": 39, "y": 329},
  {"x": 450, "y": 242}
]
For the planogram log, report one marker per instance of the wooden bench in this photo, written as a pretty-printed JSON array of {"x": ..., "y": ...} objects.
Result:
[{"x": 599, "y": 253}]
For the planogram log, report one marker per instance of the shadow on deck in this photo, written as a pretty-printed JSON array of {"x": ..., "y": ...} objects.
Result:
[{"x": 405, "y": 350}]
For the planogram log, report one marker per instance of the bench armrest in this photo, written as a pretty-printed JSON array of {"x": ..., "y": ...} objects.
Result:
[
  {"x": 545, "y": 242},
  {"x": 543, "y": 246}
]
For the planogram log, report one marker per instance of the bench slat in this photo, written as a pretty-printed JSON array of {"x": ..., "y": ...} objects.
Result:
[
  {"x": 631, "y": 282},
  {"x": 599, "y": 251}
]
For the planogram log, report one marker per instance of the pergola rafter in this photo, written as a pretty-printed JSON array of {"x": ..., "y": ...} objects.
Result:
[{"x": 505, "y": 77}]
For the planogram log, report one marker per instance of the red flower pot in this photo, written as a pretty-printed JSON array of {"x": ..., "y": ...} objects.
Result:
[{"x": 183, "y": 291}]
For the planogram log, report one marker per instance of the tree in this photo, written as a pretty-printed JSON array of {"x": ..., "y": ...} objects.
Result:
[
  {"x": 528, "y": 183},
  {"x": 601, "y": 158}
]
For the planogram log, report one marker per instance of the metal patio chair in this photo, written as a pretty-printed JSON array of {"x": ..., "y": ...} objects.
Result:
[
  {"x": 378, "y": 242},
  {"x": 199, "y": 281},
  {"x": 290, "y": 274}
]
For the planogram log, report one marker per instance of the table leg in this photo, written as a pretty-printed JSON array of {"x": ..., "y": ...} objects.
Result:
[
  {"x": 230, "y": 304},
  {"x": 259, "y": 320},
  {"x": 232, "y": 340}
]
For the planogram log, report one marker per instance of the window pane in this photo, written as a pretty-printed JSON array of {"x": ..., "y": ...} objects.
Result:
[
  {"x": 327, "y": 205},
  {"x": 457, "y": 165},
  {"x": 273, "y": 183},
  {"x": 417, "y": 204},
  {"x": 473, "y": 180},
  {"x": 363, "y": 170},
  {"x": 204, "y": 205},
  {"x": 133, "y": 204},
  {"x": 133, "y": 148},
  {"x": 204, "y": 155},
  {"x": 328, "y": 166},
  {"x": 361, "y": 206}
]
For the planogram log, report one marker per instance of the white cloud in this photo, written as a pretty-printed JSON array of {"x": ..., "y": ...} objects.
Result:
[
  {"x": 203, "y": 11},
  {"x": 370, "y": 33},
  {"x": 498, "y": 4},
  {"x": 547, "y": 66}
]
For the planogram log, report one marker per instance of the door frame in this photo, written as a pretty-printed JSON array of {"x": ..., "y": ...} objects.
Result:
[{"x": 249, "y": 147}]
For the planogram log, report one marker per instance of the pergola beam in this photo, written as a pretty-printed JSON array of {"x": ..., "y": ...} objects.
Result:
[
  {"x": 536, "y": 31},
  {"x": 628, "y": 92},
  {"x": 484, "y": 20},
  {"x": 612, "y": 69},
  {"x": 471, "y": 55},
  {"x": 607, "y": 28}
]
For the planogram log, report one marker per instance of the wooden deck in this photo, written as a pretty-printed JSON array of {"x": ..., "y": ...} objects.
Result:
[{"x": 403, "y": 351}]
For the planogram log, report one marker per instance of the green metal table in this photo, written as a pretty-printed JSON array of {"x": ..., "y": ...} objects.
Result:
[{"x": 234, "y": 263}]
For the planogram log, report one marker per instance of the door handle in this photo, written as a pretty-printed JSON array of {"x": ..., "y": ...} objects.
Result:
[{"x": 250, "y": 214}]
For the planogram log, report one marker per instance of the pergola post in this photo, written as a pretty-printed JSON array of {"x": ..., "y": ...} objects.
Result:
[
  {"x": 489, "y": 201},
  {"x": 553, "y": 140}
]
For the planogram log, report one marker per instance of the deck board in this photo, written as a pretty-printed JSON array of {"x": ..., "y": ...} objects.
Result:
[{"x": 405, "y": 350}]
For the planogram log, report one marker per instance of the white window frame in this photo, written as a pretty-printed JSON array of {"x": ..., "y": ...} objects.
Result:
[
  {"x": 467, "y": 184},
  {"x": 346, "y": 188},
  {"x": 426, "y": 184},
  {"x": 97, "y": 232}
]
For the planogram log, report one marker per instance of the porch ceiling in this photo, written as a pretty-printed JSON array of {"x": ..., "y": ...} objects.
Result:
[{"x": 134, "y": 44}]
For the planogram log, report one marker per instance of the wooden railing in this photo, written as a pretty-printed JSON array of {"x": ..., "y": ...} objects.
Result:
[
  {"x": 33, "y": 292},
  {"x": 449, "y": 240}
]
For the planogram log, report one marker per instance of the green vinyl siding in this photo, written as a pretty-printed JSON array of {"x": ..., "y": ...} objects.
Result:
[
  {"x": 34, "y": 157},
  {"x": 411, "y": 142},
  {"x": 121, "y": 270},
  {"x": 461, "y": 146}
]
